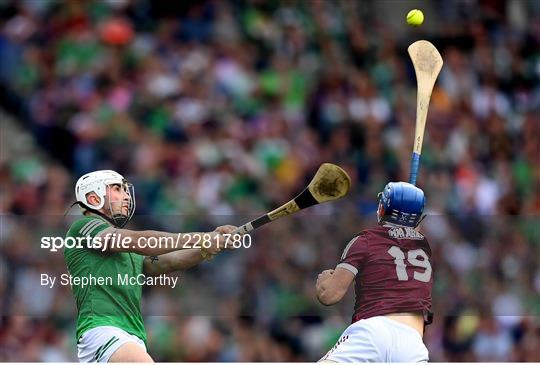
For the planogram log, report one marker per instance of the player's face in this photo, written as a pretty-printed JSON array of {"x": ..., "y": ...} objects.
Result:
[{"x": 119, "y": 199}]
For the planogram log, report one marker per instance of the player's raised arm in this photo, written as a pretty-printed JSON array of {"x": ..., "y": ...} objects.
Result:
[
  {"x": 179, "y": 260},
  {"x": 153, "y": 243}
]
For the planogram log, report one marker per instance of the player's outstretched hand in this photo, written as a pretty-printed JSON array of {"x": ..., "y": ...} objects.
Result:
[
  {"x": 226, "y": 229},
  {"x": 219, "y": 241}
]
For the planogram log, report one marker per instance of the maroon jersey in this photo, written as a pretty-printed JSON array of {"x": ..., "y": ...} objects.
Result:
[{"x": 393, "y": 271}]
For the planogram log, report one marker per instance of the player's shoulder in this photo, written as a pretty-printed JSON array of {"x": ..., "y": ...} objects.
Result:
[
  {"x": 375, "y": 229},
  {"x": 375, "y": 232},
  {"x": 86, "y": 224},
  {"x": 358, "y": 241}
]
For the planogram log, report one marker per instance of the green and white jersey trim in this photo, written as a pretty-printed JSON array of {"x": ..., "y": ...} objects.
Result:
[{"x": 93, "y": 227}]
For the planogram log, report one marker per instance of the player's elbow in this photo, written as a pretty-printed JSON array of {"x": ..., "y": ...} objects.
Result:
[{"x": 152, "y": 268}]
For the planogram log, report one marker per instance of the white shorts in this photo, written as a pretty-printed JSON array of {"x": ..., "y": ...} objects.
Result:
[
  {"x": 99, "y": 343},
  {"x": 378, "y": 339}
]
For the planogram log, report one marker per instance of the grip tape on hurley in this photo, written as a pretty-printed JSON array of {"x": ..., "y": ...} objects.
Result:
[{"x": 415, "y": 165}]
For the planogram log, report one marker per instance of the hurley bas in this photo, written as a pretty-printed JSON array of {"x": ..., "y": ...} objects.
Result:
[{"x": 118, "y": 280}]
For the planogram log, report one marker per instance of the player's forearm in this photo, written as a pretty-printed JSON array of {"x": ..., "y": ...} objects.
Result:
[
  {"x": 326, "y": 298},
  {"x": 148, "y": 243},
  {"x": 322, "y": 294},
  {"x": 326, "y": 294},
  {"x": 173, "y": 261},
  {"x": 170, "y": 242}
]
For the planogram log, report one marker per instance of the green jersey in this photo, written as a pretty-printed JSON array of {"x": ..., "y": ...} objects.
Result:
[{"x": 108, "y": 301}]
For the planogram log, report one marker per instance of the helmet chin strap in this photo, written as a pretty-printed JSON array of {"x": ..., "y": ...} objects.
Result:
[
  {"x": 120, "y": 220},
  {"x": 117, "y": 220}
]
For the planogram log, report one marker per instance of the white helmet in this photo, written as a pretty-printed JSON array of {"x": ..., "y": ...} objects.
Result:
[{"x": 97, "y": 182}]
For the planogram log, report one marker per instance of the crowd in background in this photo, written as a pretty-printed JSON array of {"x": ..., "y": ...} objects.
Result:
[{"x": 220, "y": 110}]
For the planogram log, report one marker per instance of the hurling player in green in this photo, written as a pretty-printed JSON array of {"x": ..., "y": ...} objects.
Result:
[{"x": 109, "y": 324}]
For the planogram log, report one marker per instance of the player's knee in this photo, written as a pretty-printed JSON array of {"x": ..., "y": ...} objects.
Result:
[{"x": 130, "y": 352}]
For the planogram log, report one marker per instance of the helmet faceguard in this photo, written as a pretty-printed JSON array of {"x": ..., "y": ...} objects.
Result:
[
  {"x": 401, "y": 203},
  {"x": 120, "y": 219},
  {"x": 99, "y": 182}
]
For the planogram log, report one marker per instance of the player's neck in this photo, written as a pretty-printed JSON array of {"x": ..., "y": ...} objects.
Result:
[
  {"x": 95, "y": 215},
  {"x": 393, "y": 225}
]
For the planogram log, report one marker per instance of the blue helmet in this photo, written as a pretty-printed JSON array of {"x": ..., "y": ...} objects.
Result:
[{"x": 401, "y": 203}]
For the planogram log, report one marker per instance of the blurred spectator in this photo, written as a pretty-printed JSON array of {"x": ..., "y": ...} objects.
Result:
[{"x": 228, "y": 107}]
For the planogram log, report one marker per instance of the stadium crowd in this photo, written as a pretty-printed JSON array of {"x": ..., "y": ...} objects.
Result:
[{"x": 219, "y": 110}]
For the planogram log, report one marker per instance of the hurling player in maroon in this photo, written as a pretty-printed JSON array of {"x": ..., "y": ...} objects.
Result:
[{"x": 391, "y": 269}]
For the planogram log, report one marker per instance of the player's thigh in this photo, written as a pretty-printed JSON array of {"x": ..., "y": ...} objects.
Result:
[
  {"x": 356, "y": 344},
  {"x": 130, "y": 352},
  {"x": 100, "y": 343}
]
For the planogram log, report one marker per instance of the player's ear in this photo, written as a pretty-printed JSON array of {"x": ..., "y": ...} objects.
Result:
[{"x": 93, "y": 199}]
